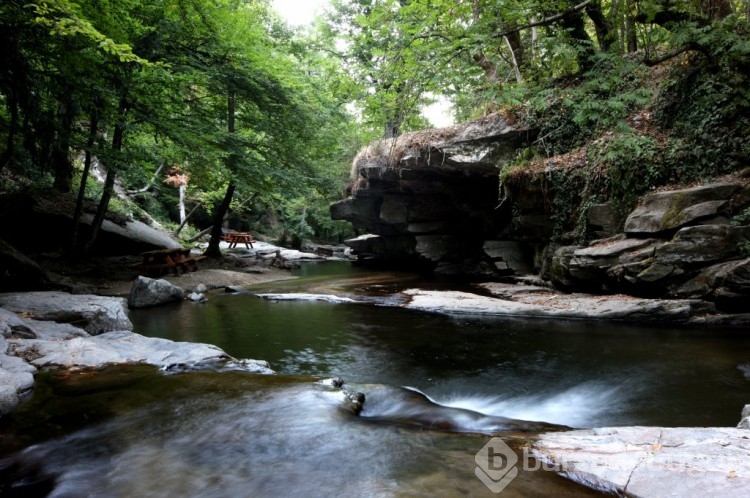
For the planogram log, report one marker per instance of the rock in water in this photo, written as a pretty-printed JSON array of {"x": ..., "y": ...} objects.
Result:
[
  {"x": 147, "y": 292},
  {"x": 94, "y": 314},
  {"x": 197, "y": 297},
  {"x": 745, "y": 422}
]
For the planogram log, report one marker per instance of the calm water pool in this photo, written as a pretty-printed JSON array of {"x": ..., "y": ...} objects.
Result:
[{"x": 134, "y": 431}]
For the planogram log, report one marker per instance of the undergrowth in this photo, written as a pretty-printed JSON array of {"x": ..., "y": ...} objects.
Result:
[{"x": 639, "y": 129}]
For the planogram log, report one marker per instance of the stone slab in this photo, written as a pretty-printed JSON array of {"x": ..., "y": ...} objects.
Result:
[
  {"x": 653, "y": 461},
  {"x": 94, "y": 314},
  {"x": 544, "y": 304}
]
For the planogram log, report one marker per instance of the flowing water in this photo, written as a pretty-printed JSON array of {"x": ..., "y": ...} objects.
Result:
[{"x": 436, "y": 389}]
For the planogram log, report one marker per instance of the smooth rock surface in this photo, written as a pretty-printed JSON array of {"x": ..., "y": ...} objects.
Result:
[
  {"x": 147, "y": 292},
  {"x": 94, "y": 314},
  {"x": 669, "y": 210},
  {"x": 301, "y": 296},
  {"x": 653, "y": 461},
  {"x": 544, "y": 304},
  {"x": 16, "y": 378},
  {"x": 113, "y": 347},
  {"x": 8, "y": 399},
  {"x": 745, "y": 421}
]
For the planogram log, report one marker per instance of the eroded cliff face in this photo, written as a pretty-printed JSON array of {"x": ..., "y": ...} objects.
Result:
[
  {"x": 680, "y": 243},
  {"x": 431, "y": 199}
]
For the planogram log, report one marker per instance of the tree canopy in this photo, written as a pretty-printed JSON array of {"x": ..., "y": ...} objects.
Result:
[
  {"x": 482, "y": 52},
  {"x": 221, "y": 100},
  {"x": 140, "y": 84}
]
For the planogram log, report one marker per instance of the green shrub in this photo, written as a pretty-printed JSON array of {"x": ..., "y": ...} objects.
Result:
[{"x": 630, "y": 161}]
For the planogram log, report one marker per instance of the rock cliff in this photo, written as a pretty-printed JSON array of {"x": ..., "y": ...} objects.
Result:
[
  {"x": 431, "y": 198},
  {"x": 435, "y": 199}
]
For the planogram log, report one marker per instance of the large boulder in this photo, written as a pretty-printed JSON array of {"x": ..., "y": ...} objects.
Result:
[
  {"x": 603, "y": 265},
  {"x": 112, "y": 348},
  {"x": 727, "y": 283},
  {"x": 16, "y": 378},
  {"x": 146, "y": 292},
  {"x": 671, "y": 210},
  {"x": 703, "y": 244},
  {"x": 526, "y": 303},
  {"x": 744, "y": 418},
  {"x": 94, "y": 314}
]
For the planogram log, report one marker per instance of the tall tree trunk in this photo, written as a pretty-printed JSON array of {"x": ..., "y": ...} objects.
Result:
[
  {"x": 213, "y": 250},
  {"x": 184, "y": 222},
  {"x": 576, "y": 27},
  {"x": 479, "y": 57},
  {"x": 631, "y": 36},
  {"x": 181, "y": 206},
  {"x": 101, "y": 210},
  {"x": 716, "y": 9},
  {"x": 93, "y": 130},
  {"x": 394, "y": 112},
  {"x": 516, "y": 53},
  {"x": 109, "y": 186},
  {"x": 605, "y": 34}
]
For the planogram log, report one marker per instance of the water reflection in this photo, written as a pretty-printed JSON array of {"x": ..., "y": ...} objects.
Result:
[{"x": 575, "y": 373}]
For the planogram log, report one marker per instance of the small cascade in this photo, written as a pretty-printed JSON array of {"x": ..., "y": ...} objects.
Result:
[{"x": 409, "y": 406}]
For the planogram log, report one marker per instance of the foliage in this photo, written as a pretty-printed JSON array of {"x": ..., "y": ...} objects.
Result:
[
  {"x": 742, "y": 219},
  {"x": 710, "y": 110},
  {"x": 138, "y": 84},
  {"x": 571, "y": 193},
  {"x": 630, "y": 160},
  {"x": 158, "y": 75}
]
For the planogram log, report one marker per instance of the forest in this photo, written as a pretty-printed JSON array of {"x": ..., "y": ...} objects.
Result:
[{"x": 205, "y": 107}]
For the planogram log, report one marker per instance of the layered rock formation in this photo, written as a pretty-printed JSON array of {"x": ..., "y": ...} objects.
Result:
[
  {"x": 430, "y": 198},
  {"x": 677, "y": 243}
]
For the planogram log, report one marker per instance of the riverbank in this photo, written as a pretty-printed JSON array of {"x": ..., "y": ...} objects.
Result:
[
  {"x": 238, "y": 267},
  {"x": 702, "y": 454},
  {"x": 88, "y": 326}
]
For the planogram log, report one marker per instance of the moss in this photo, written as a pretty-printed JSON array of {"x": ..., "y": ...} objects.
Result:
[{"x": 672, "y": 217}]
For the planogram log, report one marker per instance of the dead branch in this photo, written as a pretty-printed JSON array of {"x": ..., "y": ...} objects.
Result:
[{"x": 148, "y": 185}]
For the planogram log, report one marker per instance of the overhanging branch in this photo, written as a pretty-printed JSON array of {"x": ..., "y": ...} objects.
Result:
[
  {"x": 546, "y": 21},
  {"x": 671, "y": 55}
]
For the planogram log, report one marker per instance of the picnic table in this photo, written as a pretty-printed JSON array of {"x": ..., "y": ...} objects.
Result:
[
  {"x": 166, "y": 260},
  {"x": 235, "y": 238}
]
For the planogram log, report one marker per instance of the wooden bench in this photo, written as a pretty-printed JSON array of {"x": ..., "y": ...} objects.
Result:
[
  {"x": 165, "y": 260},
  {"x": 235, "y": 238}
]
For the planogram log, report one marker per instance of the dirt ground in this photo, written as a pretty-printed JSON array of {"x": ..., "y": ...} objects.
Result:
[{"x": 113, "y": 276}]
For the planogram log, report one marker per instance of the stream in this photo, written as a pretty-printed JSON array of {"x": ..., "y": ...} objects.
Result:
[{"x": 436, "y": 389}]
